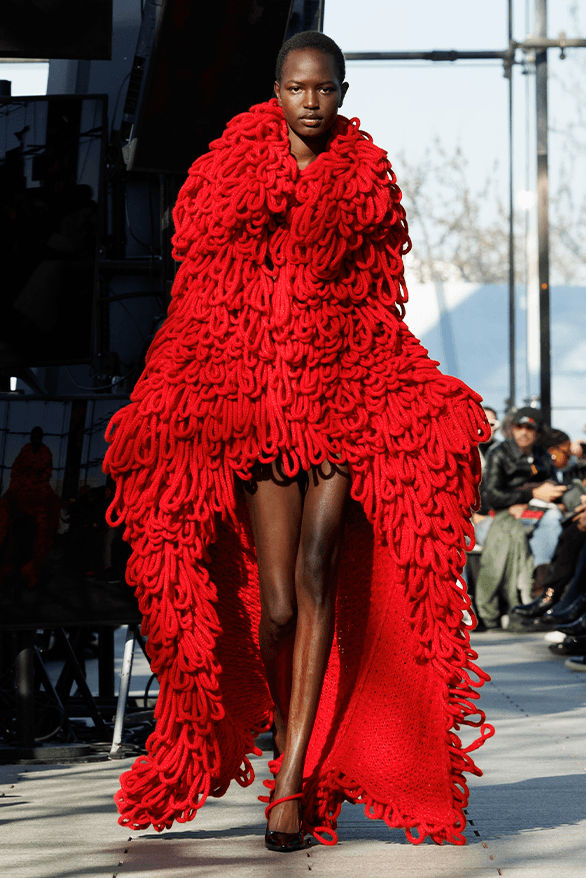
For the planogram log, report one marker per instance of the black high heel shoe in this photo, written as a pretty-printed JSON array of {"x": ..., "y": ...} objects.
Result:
[{"x": 283, "y": 842}]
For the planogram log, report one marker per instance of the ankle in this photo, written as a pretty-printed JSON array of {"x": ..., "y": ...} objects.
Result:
[
  {"x": 288, "y": 781},
  {"x": 285, "y": 816},
  {"x": 279, "y": 741}
]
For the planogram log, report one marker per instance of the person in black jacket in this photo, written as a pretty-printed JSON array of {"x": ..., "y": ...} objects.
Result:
[{"x": 518, "y": 471}]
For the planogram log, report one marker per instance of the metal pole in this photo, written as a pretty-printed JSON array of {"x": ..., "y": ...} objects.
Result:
[
  {"x": 320, "y": 15},
  {"x": 125, "y": 675},
  {"x": 74, "y": 449},
  {"x": 512, "y": 344},
  {"x": 433, "y": 55},
  {"x": 25, "y": 695},
  {"x": 543, "y": 211}
]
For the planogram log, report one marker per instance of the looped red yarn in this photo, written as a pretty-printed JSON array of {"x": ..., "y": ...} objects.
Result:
[
  {"x": 285, "y": 338},
  {"x": 318, "y": 834},
  {"x": 276, "y": 802}
]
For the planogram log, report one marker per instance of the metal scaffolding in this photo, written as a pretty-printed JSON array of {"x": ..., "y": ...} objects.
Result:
[{"x": 539, "y": 43}]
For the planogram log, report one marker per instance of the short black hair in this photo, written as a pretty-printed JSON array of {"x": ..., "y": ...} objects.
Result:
[
  {"x": 551, "y": 438},
  {"x": 312, "y": 39}
]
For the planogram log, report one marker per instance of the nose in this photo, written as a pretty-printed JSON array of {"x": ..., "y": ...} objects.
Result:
[{"x": 311, "y": 98}]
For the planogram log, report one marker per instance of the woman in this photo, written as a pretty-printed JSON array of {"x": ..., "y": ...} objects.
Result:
[
  {"x": 559, "y": 447},
  {"x": 494, "y": 424},
  {"x": 562, "y": 582},
  {"x": 284, "y": 366}
]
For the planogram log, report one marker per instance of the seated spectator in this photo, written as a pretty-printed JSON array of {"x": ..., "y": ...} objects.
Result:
[
  {"x": 484, "y": 447},
  {"x": 569, "y": 614},
  {"x": 564, "y": 598},
  {"x": 517, "y": 471},
  {"x": 569, "y": 554},
  {"x": 567, "y": 464},
  {"x": 520, "y": 470}
]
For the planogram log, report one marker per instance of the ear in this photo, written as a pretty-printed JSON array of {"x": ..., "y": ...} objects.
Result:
[
  {"x": 277, "y": 89},
  {"x": 343, "y": 89}
]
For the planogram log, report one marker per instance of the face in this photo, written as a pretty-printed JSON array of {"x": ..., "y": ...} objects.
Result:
[
  {"x": 524, "y": 436},
  {"x": 310, "y": 94},
  {"x": 493, "y": 421},
  {"x": 560, "y": 454}
]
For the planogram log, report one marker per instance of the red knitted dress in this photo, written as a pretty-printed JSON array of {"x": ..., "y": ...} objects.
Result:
[{"x": 285, "y": 337}]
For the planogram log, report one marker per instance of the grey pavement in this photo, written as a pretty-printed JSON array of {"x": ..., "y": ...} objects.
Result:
[{"x": 527, "y": 813}]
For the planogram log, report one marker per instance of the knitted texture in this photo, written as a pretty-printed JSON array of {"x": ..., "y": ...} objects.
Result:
[{"x": 285, "y": 338}]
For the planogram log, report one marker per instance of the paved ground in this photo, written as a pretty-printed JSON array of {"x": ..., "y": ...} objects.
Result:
[{"x": 527, "y": 814}]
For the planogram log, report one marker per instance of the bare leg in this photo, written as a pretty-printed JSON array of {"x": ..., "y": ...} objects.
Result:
[
  {"x": 320, "y": 541},
  {"x": 276, "y": 506}
]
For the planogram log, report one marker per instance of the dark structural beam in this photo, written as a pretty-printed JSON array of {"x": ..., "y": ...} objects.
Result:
[{"x": 543, "y": 212}]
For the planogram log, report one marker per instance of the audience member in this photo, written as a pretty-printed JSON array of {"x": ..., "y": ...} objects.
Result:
[
  {"x": 517, "y": 471},
  {"x": 560, "y": 448},
  {"x": 569, "y": 614},
  {"x": 570, "y": 472},
  {"x": 484, "y": 447}
]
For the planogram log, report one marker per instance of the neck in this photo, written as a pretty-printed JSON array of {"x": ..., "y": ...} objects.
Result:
[{"x": 306, "y": 150}]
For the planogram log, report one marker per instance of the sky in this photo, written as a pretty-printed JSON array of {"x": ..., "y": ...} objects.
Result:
[{"x": 404, "y": 105}]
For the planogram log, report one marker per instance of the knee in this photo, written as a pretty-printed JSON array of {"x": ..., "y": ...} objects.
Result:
[
  {"x": 551, "y": 516},
  {"x": 278, "y": 617},
  {"x": 549, "y": 524}
]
